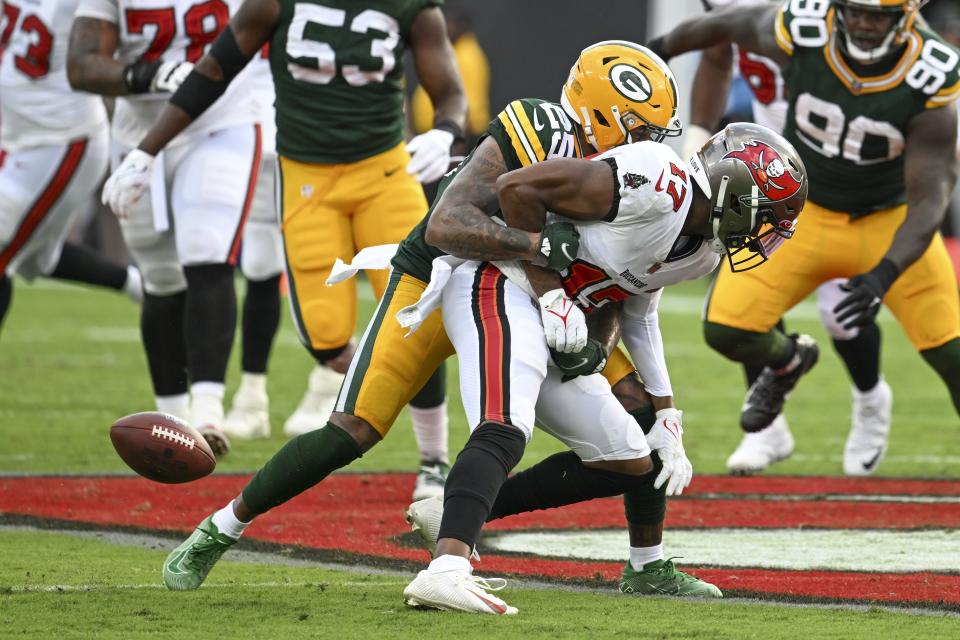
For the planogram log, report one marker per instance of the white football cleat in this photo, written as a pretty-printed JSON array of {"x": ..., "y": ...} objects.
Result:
[
  {"x": 457, "y": 590},
  {"x": 206, "y": 414},
  {"x": 430, "y": 479},
  {"x": 317, "y": 404},
  {"x": 869, "y": 431},
  {"x": 249, "y": 417},
  {"x": 760, "y": 449},
  {"x": 424, "y": 517}
]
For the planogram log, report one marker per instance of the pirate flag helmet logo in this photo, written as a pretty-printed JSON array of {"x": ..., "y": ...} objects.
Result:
[{"x": 757, "y": 185}]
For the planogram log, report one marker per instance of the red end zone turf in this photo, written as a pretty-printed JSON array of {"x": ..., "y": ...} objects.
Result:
[{"x": 361, "y": 515}]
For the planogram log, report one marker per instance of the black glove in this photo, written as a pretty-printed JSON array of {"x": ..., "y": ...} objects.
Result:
[
  {"x": 860, "y": 307},
  {"x": 591, "y": 359},
  {"x": 559, "y": 243},
  {"x": 656, "y": 45}
]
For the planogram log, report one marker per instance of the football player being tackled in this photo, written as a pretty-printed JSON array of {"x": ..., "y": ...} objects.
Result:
[
  {"x": 871, "y": 111},
  {"x": 646, "y": 220},
  {"x": 389, "y": 368},
  {"x": 346, "y": 179}
]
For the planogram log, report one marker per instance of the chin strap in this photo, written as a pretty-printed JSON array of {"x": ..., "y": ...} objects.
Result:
[{"x": 716, "y": 215}]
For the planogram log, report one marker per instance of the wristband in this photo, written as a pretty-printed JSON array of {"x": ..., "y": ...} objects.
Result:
[
  {"x": 137, "y": 76},
  {"x": 452, "y": 128}
]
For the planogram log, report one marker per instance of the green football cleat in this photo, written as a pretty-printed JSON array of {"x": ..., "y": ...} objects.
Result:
[
  {"x": 187, "y": 566},
  {"x": 660, "y": 577}
]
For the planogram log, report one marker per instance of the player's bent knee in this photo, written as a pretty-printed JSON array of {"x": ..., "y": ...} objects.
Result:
[
  {"x": 357, "y": 428},
  {"x": 825, "y": 306}
]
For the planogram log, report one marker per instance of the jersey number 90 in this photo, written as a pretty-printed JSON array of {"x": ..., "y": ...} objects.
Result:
[{"x": 323, "y": 57}]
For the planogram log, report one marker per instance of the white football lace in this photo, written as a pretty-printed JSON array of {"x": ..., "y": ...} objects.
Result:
[{"x": 487, "y": 584}]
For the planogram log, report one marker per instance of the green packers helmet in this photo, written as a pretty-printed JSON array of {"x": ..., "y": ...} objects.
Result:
[
  {"x": 757, "y": 185},
  {"x": 905, "y": 10}
]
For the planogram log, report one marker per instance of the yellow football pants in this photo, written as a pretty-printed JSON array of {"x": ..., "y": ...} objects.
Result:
[
  {"x": 829, "y": 244},
  {"x": 391, "y": 367},
  {"x": 330, "y": 211}
]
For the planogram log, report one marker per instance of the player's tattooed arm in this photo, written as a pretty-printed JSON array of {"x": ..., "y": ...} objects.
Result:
[
  {"x": 461, "y": 223},
  {"x": 91, "y": 66},
  {"x": 750, "y": 27},
  {"x": 930, "y": 173}
]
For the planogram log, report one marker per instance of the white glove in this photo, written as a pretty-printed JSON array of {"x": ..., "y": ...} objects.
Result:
[
  {"x": 127, "y": 184},
  {"x": 564, "y": 324},
  {"x": 666, "y": 438},
  {"x": 430, "y": 153},
  {"x": 170, "y": 76}
]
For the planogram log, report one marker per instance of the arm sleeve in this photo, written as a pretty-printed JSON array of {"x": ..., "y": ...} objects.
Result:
[
  {"x": 106, "y": 10},
  {"x": 640, "y": 332},
  {"x": 782, "y": 31}
]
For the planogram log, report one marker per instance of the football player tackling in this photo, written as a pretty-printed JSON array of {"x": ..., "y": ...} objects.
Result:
[
  {"x": 389, "y": 368},
  {"x": 646, "y": 220},
  {"x": 871, "y": 111}
]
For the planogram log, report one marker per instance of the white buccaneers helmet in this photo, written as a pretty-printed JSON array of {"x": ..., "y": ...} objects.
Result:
[
  {"x": 906, "y": 10},
  {"x": 757, "y": 185},
  {"x": 617, "y": 91}
]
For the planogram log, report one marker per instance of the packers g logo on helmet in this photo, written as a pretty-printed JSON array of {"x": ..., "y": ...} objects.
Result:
[
  {"x": 618, "y": 92},
  {"x": 631, "y": 83}
]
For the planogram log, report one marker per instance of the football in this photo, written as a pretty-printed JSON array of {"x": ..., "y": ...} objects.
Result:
[{"x": 162, "y": 447}]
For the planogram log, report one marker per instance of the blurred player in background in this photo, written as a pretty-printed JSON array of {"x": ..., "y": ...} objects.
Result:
[
  {"x": 871, "y": 109},
  {"x": 474, "y": 70},
  {"x": 261, "y": 262},
  {"x": 53, "y": 154},
  {"x": 185, "y": 235},
  {"x": 346, "y": 179},
  {"x": 859, "y": 347}
]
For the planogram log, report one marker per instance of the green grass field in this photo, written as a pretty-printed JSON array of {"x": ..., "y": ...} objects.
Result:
[{"x": 71, "y": 363}]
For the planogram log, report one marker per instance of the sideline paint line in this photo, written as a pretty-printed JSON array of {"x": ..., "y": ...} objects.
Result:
[{"x": 794, "y": 549}]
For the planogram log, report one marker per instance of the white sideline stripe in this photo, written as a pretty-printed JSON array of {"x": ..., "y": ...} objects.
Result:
[
  {"x": 58, "y": 588},
  {"x": 796, "y": 549}
]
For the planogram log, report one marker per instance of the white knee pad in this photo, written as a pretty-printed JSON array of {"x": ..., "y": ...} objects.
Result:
[
  {"x": 261, "y": 256},
  {"x": 829, "y": 294},
  {"x": 584, "y": 414}
]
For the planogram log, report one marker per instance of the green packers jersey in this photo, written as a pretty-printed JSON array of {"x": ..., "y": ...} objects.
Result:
[
  {"x": 850, "y": 129},
  {"x": 527, "y": 131},
  {"x": 337, "y": 67}
]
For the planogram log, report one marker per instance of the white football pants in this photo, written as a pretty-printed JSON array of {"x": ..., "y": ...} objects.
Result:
[
  {"x": 42, "y": 190},
  {"x": 506, "y": 374},
  {"x": 210, "y": 183}
]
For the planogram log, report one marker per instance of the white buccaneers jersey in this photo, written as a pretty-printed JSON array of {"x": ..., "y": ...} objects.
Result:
[
  {"x": 639, "y": 248},
  {"x": 172, "y": 31},
  {"x": 37, "y": 106},
  {"x": 762, "y": 75}
]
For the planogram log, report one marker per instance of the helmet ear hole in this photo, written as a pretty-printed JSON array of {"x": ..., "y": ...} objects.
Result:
[{"x": 600, "y": 119}]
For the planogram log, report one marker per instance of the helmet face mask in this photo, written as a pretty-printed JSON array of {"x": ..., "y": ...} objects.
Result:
[
  {"x": 621, "y": 92},
  {"x": 757, "y": 186},
  {"x": 902, "y": 12}
]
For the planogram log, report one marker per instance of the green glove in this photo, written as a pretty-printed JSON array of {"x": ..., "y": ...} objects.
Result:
[
  {"x": 559, "y": 243},
  {"x": 589, "y": 360}
]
